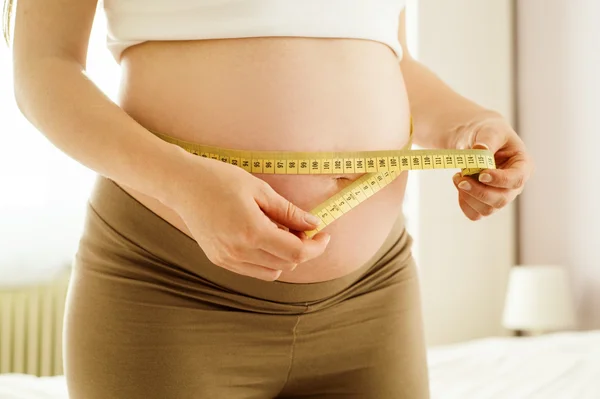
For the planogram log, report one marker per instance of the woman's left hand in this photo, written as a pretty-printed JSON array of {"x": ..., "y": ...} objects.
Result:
[{"x": 495, "y": 188}]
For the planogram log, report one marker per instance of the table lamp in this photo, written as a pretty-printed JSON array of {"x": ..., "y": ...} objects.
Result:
[{"x": 538, "y": 300}]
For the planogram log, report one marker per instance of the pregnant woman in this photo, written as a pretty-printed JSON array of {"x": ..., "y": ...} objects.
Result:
[{"x": 194, "y": 278}]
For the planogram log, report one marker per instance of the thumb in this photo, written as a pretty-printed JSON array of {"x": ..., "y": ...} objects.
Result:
[
  {"x": 489, "y": 138},
  {"x": 283, "y": 212}
]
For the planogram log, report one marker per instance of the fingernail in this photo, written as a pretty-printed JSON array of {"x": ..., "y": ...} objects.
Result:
[
  {"x": 456, "y": 177},
  {"x": 485, "y": 178},
  {"x": 464, "y": 185},
  {"x": 483, "y": 146},
  {"x": 312, "y": 219},
  {"x": 327, "y": 239}
]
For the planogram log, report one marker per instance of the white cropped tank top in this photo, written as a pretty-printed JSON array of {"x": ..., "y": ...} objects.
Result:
[{"x": 131, "y": 22}]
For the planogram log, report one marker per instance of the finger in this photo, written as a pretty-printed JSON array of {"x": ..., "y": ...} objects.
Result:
[
  {"x": 270, "y": 261},
  {"x": 255, "y": 271},
  {"x": 282, "y": 227},
  {"x": 289, "y": 247},
  {"x": 488, "y": 137},
  {"x": 492, "y": 196},
  {"x": 469, "y": 212},
  {"x": 299, "y": 234},
  {"x": 283, "y": 212},
  {"x": 478, "y": 206},
  {"x": 512, "y": 178}
]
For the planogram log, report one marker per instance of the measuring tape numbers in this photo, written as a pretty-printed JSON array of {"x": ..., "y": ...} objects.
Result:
[{"x": 380, "y": 168}]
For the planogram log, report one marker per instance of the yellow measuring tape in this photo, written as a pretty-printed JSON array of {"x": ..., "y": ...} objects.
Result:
[{"x": 380, "y": 168}]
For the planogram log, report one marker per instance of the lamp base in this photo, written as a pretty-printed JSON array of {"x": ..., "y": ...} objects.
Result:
[{"x": 528, "y": 333}]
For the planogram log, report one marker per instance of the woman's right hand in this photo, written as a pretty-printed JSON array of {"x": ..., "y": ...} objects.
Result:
[{"x": 235, "y": 217}]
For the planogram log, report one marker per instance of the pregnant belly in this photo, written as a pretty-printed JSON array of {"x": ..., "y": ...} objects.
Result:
[{"x": 281, "y": 94}]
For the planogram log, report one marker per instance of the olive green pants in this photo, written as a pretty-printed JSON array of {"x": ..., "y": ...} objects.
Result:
[{"x": 149, "y": 317}]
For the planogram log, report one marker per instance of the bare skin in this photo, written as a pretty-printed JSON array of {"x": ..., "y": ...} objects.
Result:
[
  {"x": 297, "y": 94},
  {"x": 288, "y": 95}
]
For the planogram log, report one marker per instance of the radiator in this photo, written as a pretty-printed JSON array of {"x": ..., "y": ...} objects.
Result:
[{"x": 31, "y": 328}]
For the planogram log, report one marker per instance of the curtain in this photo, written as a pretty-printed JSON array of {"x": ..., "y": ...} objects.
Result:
[{"x": 559, "y": 100}]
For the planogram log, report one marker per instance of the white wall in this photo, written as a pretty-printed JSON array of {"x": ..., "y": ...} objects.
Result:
[
  {"x": 559, "y": 107},
  {"x": 464, "y": 264}
]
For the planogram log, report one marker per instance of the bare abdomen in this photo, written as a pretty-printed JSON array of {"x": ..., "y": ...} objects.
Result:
[{"x": 282, "y": 94}]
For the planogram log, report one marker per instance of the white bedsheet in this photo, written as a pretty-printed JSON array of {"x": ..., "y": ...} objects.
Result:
[
  {"x": 18, "y": 386},
  {"x": 559, "y": 366}
]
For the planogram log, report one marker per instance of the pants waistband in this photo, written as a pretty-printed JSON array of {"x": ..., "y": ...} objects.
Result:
[{"x": 138, "y": 224}]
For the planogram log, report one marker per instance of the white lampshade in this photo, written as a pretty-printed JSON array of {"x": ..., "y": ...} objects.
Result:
[{"x": 539, "y": 298}]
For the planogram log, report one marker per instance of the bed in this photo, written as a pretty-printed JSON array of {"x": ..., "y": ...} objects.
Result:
[{"x": 555, "y": 366}]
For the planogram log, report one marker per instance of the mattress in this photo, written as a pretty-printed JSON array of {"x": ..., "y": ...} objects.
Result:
[{"x": 557, "y": 366}]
